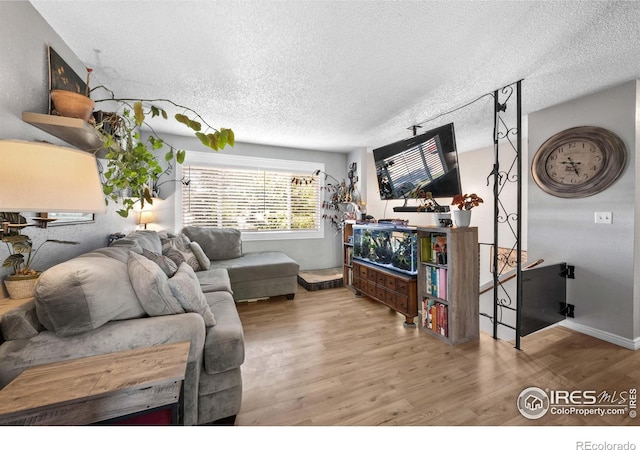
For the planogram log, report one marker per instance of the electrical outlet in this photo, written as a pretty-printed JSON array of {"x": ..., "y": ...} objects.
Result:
[{"x": 604, "y": 217}]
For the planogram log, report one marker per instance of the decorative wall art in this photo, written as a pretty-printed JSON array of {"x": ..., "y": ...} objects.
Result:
[{"x": 62, "y": 76}]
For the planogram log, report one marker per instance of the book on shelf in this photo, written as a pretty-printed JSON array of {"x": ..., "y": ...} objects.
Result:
[
  {"x": 435, "y": 316},
  {"x": 442, "y": 326},
  {"x": 349, "y": 256},
  {"x": 439, "y": 248},
  {"x": 425, "y": 249},
  {"x": 436, "y": 281},
  {"x": 425, "y": 312},
  {"x": 442, "y": 283}
]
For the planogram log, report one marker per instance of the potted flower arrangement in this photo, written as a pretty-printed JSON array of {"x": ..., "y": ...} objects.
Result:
[
  {"x": 22, "y": 281},
  {"x": 465, "y": 203}
]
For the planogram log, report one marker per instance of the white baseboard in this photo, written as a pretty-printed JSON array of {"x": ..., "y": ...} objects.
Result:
[{"x": 631, "y": 344}]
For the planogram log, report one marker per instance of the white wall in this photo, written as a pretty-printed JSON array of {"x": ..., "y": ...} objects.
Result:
[{"x": 605, "y": 290}]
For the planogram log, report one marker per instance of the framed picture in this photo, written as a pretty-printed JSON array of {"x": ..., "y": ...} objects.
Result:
[
  {"x": 62, "y": 76},
  {"x": 69, "y": 218},
  {"x": 507, "y": 259}
]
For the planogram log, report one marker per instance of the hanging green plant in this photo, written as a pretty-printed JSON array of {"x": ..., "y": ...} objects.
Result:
[{"x": 133, "y": 165}]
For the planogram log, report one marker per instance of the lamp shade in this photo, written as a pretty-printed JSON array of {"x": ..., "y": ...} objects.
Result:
[
  {"x": 146, "y": 217},
  {"x": 40, "y": 177}
]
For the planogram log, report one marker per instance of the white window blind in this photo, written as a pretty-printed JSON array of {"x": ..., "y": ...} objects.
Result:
[{"x": 250, "y": 200}]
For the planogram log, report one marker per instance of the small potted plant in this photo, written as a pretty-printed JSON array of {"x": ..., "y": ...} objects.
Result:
[
  {"x": 465, "y": 203},
  {"x": 22, "y": 281},
  {"x": 427, "y": 203}
]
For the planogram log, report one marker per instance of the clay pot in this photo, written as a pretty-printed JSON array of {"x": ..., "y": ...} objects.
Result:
[{"x": 72, "y": 104}]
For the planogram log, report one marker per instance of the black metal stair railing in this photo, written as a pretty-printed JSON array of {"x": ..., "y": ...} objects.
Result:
[{"x": 507, "y": 227}]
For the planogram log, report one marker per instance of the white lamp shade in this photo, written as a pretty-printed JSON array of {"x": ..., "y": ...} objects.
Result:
[
  {"x": 146, "y": 217},
  {"x": 39, "y": 177}
]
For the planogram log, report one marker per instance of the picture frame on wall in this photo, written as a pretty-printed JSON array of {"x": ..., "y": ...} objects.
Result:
[
  {"x": 62, "y": 76},
  {"x": 68, "y": 218}
]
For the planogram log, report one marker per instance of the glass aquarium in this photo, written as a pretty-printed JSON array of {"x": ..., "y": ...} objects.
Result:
[{"x": 390, "y": 246}]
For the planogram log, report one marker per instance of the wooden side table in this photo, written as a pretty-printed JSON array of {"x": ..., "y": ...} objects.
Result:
[
  {"x": 7, "y": 304},
  {"x": 98, "y": 388}
]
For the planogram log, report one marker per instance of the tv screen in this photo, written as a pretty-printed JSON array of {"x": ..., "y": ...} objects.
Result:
[{"x": 428, "y": 159}]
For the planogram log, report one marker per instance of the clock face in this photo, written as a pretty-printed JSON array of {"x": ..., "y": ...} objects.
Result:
[
  {"x": 575, "y": 162},
  {"x": 579, "y": 162}
]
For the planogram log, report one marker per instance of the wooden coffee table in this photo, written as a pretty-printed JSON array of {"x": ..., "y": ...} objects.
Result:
[{"x": 98, "y": 388}]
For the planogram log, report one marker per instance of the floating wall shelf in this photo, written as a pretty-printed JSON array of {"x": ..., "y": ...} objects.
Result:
[{"x": 76, "y": 132}]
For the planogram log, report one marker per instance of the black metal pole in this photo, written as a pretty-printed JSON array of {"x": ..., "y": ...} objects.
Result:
[
  {"x": 519, "y": 224},
  {"x": 496, "y": 173}
]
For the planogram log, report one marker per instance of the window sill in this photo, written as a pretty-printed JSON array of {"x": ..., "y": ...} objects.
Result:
[{"x": 280, "y": 235}]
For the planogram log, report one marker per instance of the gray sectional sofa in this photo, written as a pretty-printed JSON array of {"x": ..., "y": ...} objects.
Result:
[
  {"x": 252, "y": 274},
  {"x": 146, "y": 289}
]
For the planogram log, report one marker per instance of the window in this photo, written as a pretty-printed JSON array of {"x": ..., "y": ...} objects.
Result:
[{"x": 262, "y": 202}]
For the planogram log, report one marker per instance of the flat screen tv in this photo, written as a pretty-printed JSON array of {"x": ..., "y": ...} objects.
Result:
[{"x": 429, "y": 159}]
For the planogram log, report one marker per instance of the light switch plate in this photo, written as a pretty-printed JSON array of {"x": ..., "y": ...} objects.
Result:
[{"x": 604, "y": 217}]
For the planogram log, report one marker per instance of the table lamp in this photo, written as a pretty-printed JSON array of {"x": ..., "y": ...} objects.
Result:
[{"x": 145, "y": 217}]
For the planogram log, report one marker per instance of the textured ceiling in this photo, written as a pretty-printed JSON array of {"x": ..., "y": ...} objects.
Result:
[{"x": 340, "y": 75}]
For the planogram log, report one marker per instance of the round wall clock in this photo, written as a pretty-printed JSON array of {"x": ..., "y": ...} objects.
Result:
[{"x": 579, "y": 162}]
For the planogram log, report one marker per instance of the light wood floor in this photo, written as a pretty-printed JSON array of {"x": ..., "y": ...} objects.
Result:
[{"x": 330, "y": 358}]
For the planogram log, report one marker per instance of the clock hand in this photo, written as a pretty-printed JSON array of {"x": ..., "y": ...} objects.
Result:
[{"x": 575, "y": 168}]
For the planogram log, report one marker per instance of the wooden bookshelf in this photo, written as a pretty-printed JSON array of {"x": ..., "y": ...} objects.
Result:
[
  {"x": 347, "y": 253},
  {"x": 457, "y": 277}
]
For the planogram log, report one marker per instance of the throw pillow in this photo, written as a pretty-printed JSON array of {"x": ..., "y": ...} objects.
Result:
[
  {"x": 178, "y": 250},
  {"x": 151, "y": 286},
  {"x": 186, "y": 288},
  {"x": 217, "y": 243},
  {"x": 203, "y": 259},
  {"x": 167, "y": 265}
]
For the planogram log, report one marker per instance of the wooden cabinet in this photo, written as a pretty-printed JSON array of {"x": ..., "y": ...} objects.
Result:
[
  {"x": 396, "y": 290},
  {"x": 448, "y": 283}
]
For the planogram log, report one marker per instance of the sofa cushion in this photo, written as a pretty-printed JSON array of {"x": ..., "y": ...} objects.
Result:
[
  {"x": 185, "y": 287},
  {"x": 213, "y": 280},
  {"x": 164, "y": 262},
  {"x": 217, "y": 243},
  {"x": 179, "y": 250},
  {"x": 148, "y": 239},
  {"x": 21, "y": 322},
  {"x": 151, "y": 285},
  {"x": 71, "y": 298},
  {"x": 202, "y": 258},
  {"x": 224, "y": 343},
  {"x": 258, "y": 266},
  {"x": 121, "y": 253}
]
